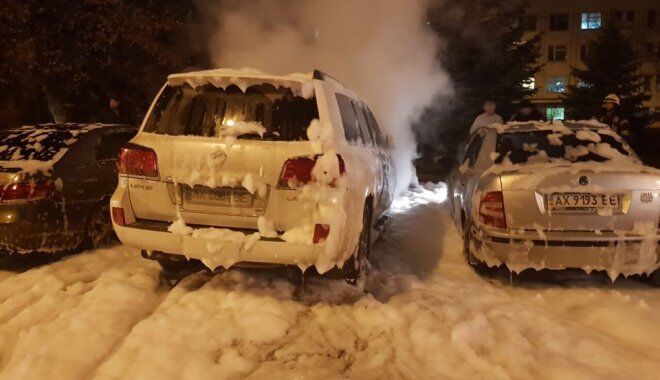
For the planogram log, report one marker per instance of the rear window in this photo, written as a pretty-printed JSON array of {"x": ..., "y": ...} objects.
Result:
[
  {"x": 261, "y": 112},
  {"x": 37, "y": 143},
  {"x": 546, "y": 146},
  {"x": 349, "y": 119}
]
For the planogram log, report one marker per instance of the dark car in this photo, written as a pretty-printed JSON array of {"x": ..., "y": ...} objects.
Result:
[{"x": 55, "y": 183}]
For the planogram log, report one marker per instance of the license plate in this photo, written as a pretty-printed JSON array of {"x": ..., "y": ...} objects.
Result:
[
  {"x": 222, "y": 197},
  {"x": 583, "y": 202}
]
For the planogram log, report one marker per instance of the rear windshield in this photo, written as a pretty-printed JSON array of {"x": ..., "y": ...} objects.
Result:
[
  {"x": 261, "y": 112},
  {"x": 41, "y": 144},
  {"x": 546, "y": 146}
]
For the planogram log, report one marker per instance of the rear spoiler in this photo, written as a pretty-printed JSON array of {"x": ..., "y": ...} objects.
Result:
[{"x": 320, "y": 75}]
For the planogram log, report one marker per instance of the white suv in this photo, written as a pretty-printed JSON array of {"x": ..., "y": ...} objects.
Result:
[{"x": 242, "y": 167}]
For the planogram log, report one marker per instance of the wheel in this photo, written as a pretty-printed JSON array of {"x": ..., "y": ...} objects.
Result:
[
  {"x": 99, "y": 227},
  {"x": 467, "y": 239},
  {"x": 478, "y": 265},
  {"x": 356, "y": 265},
  {"x": 654, "y": 278}
]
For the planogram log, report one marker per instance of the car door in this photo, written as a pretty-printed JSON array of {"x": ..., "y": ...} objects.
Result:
[
  {"x": 89, "y": 174},
  {"x": 77, "y": 174},
  {"x": 385, "y": 193}
]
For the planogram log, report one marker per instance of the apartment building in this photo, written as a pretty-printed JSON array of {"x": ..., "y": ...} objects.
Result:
[{"x": 567, "y": 27}]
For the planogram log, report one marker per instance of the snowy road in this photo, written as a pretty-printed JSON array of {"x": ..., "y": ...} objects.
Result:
[{"x": 107, "y": 315}]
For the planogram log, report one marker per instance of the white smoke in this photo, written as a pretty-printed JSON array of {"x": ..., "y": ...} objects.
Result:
[{"x": 382, "y": 49}]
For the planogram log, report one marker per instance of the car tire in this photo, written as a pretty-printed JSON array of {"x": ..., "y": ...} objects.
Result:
[
  {"x": 654, "y": 278},
  {"x": 356, "y": 266},
  {"x": 467, "y": 239},
  {"x": 478, "y": 265},
  {"x": 99, "y": 232}
]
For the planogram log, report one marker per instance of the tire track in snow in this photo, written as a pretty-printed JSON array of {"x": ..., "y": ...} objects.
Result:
[
  {"x": 547, "y": 297},
  {"x": 546, "y": 302},
  {"x": 187, "y": 284},
  {"x": 32, "y": 295},
  {"x": 77, "y": 321},
  {"x": 208, "y": 330},
  {"x": 637, "y": 338}
]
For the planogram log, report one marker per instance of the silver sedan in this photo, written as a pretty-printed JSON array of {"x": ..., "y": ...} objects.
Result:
[{"x": 556, "y": 196}]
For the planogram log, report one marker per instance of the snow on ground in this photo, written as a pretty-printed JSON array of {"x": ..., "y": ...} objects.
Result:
[{"x": 106, "y": 315}]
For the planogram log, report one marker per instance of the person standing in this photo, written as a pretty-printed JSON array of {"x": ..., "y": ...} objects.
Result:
[
  {"x": 487, "y": 118},
  {"x": 117, "y": 111},
  {"x": 611, "y": 115}
]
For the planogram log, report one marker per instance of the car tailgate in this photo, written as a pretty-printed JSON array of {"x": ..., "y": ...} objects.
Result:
[
  {"x": 204, "y": 178},
  {"x": 531, "y": 203}
]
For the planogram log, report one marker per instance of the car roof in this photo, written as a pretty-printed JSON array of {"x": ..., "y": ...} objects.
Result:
[
  {"x": 530, "y": 126},
  {"x": 244, "y": 78},
  {"x": 68, "y": 126},
  {"x": 236, "y": 73}
]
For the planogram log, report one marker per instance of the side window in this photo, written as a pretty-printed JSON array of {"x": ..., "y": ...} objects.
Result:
[
  {"x": 472, "y": 151},
  {"x": 109, "y": 145},
  {"x": 349, "y": 119},
  {"x": 363, "y": 124},
  {"x": 373, "y": 126}
]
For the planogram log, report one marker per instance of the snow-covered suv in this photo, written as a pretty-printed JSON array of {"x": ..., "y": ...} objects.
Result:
[{"x": 242, "y": 167}]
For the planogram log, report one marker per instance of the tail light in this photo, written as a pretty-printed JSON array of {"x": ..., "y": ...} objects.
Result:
[
  {"x": 491, "y": 209},
  {"x": 139, "y": 161},
  {"x": 24, "y": 192},
  {"x": 321, "y": 232},
  {"x": 118, "y": 216},
  {"x": 298, "y": 171}
]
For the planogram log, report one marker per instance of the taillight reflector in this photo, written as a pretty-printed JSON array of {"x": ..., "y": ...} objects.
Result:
[
  {"x": 139, "y": 161},
  {"x": 298, "y": 171},
  {"x": 321, "y": 232},
  {"x": 491, "y": 209},
  {"x": 118, "y": 216},
  {"x": 29, "y": 191}
]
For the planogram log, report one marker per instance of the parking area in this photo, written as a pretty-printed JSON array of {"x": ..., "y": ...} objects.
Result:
[{"x": 109, "y": 314}]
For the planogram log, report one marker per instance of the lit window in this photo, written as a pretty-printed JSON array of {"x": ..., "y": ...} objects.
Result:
[
  {"x": 554, "y": 113},
  {"x": 557, "y": 53},
  {"x": 591, "y": 21},
  {"x": 556, "y": 84},
  {"x": 529, "y": 84}
]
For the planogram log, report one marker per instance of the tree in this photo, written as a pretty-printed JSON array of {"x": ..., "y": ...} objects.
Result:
[
  {"x": 70, "y": 54},
  {"x": 610, "y": 67},
  {"x": 488, "y": 55}
]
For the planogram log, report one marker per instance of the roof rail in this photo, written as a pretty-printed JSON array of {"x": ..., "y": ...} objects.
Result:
[{"x": 320, "y": 75}]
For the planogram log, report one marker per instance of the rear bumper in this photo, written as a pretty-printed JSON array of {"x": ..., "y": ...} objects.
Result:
[
  {"x": 22, "y": 237},
  {"x": 625, "y": 255},
  {"x": 214, "y": 253},
  {"x": 35, "y": 227}
]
